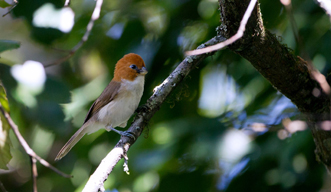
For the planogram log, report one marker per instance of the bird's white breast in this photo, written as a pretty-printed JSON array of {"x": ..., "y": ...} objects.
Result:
[{"x": 117, "y": 112}]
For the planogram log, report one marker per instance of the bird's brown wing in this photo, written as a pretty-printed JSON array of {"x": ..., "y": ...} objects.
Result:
[{"x": 106, "y": 96}]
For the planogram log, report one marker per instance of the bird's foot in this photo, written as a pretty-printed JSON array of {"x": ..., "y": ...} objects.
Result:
[
  {"x": 143, "y": 108},
  {"x": 123, "y": 133}
]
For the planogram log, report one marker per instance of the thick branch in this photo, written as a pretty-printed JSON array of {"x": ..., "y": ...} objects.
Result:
[
  {"x": 286, "y": 72},
  {"x": 152, "y": 105}
]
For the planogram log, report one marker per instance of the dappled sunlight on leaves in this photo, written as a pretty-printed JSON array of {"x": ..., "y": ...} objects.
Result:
[
  {"x": 219, "y": 93},
  {"x": 80, "y": 172},
  {"x": 294, "y": 126},
  {"x": 48, "y": 16},
  {"x": 154, "y": 17},
  {"x": 192, "y": 35},
  {"x": 146, "y": 182},
  {"x": 31, "y": 77},
  {"x": 234, "y": 145}
]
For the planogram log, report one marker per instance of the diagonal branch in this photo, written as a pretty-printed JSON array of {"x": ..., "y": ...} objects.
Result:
[
  {"x": 3, "y": 189},
  {"x": 94, "y": 17},
  {"x": 27, "y": 148},
  {"x": 34, "y": 173},
  {"x": 232, "y": 39},
  {"x": 11, "y": 8},
  {"x": 152, "y": 105}
]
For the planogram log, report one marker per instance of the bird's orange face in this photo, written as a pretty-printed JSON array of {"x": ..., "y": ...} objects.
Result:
[{"x": 129, "y": 67}]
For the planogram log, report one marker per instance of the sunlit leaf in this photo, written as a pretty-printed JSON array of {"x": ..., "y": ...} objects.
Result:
[
  {"x": 3, "y": 98},
  {"x": 5, "y": 155},
  {"x": 4, "y": 4},
  {"x": 6, "y": 45}
]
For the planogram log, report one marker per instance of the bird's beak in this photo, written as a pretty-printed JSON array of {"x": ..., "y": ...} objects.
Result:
[{"x": 143, "y": 71}]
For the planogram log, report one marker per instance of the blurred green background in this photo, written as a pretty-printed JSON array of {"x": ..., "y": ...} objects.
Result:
[{"x": 225, "y": 128}]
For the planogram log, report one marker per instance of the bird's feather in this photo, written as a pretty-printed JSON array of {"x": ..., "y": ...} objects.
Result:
[
  {"x": 116, "y": 103},
  {"x": 106, "y": 96},
  {"x": 72, "y": 141}
]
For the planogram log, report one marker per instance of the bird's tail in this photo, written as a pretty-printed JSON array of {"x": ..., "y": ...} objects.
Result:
[{"x": 72, "y": 142}]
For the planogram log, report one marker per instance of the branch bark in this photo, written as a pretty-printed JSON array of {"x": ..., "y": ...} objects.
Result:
[
  {"x": 153, "y": 104},
  {"x": 287, "y": 73}
]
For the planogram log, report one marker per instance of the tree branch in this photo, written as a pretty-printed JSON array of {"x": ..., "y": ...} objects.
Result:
[
  {"x": 27, "y": 148},
  {"x": 34, "y": 173},
  {"x": 11, "y": 8},
  {"x": 94, "y": 17},
  {"x": 232, "y": 39},
  {"x": 152, "y": 105},
  {"x": 289, "y": 74}
]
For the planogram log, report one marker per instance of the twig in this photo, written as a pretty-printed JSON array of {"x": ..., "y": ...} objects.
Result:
[
  {"x": 27, "y": 148},
  {"x": 232, "y": 39},
  {"x": 60, "y": 60},
  {"x": 301, "y": 46},
  {"x": 11, "y": 8},
  {"x": 94, "y": 17},
  {"x": 314, "y": 73},
  {"x": 3, "y": 189},
  {"x": 152, "y": 105},
  {"x": 34, "y": 173}
]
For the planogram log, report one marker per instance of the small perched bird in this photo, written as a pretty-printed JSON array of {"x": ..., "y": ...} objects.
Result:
[{"x": 116, "y": 103}]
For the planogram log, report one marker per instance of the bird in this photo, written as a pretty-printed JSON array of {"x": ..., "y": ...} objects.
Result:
[{"x": 117, "y": 102}]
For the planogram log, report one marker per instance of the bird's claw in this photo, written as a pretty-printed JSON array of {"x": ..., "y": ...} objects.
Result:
[
  {"x": 129, "y": 134},
  {"x": 141, "y": 108},
  {"x": 124, "y": 133}
]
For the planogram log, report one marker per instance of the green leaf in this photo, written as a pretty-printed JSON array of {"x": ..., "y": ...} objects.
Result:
[
  {"x": 5, "y": 155},
  {"x": 3, "y": 98},
  {"x": 4, "y": 4},
  {"x": 8, "y": 45}
]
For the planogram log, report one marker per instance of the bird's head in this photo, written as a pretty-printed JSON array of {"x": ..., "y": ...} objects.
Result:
[{"x": 129, "y": 67}]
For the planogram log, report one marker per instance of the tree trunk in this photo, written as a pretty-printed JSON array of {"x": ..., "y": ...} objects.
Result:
[{"x": 288, "y": 73}]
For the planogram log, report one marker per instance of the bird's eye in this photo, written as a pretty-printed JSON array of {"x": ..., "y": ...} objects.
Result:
[{"x": 133, "y": 66}]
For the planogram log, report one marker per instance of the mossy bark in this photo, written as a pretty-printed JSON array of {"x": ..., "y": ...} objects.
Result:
[{"x": 288, "y": 73}]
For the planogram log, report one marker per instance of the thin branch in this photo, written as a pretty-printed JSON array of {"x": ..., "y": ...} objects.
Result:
[
  {"x": 3, "y": 189},
  {"x": 232, "y": 39},
  {"x": 34, "y": 173},
  {"x": 27, "y": 148},
  {"x": 152, "y": 105},
  {"x": 300, "y": 43},
  {"x": 314, "y": 73},
  {"x": 11, "y": 8},
  {"x": 94, "y": 17}
]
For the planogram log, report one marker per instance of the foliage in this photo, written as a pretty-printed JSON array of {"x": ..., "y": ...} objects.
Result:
[
  {"x": 4, "y": 4},
  {"x": 204, "y": 138},
  {"x": 5, "y": 155},
  {"x": 8, "y": 45}
]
